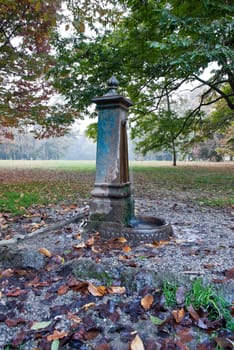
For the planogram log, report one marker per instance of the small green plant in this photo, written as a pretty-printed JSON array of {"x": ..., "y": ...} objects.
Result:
[
  {"x": 200, "y": 295},
  {"x": 169, "y": 292}
]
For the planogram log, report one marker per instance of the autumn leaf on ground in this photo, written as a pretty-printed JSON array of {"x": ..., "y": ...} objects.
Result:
[
  {"x": 147, "y": 301},
  {"x": 160, "y": 243},
  {"x": 97, "y": 291},
  {"x": 120, "y": 240},
  {"x": 116, "y": 290},
  {"x": 16, "y": 292},
  {"x": 193, "y": 313},
  {"x": 62, "y": 289},
  {"x": 137, "y": 344},
  {"x": 15, "y": 322},
  {"x": 180, "y": 295},
  {"x": 178, "y": 315},
  {"x": 56, "y": 335},
  {"x": 55, "y": 345},
  {"x": 127, "y": 249},
  {"x": 87, "y": 306},
  {"x": 45, "y": 252},
  {"x": 157, "y": 321},
  {"x": 90, "y": 242},
  {"x": 73, "y": 317},
  {"x": 7, "y": 273},
  {"x": 40, "y": 325},
  {"x": 79, "y": 245}
]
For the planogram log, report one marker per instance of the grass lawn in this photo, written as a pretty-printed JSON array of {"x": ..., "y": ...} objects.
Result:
[{"x": 23, "y": 183}]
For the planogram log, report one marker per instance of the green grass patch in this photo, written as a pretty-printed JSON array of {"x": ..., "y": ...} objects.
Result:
[
  {"x": 41, "y": 182},
  {"x": 201, "y": 296}
]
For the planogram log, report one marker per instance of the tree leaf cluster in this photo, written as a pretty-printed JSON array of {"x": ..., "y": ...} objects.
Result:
[{"x": 154, "y": 49}]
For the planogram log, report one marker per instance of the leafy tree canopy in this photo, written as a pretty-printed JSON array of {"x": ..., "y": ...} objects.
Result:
[
  {"x": 154, "y": 48},
  {"x": 25, "y": 58}
]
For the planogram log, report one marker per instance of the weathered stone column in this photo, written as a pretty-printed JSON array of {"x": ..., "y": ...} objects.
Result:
[{"x": 111, "y": 205}]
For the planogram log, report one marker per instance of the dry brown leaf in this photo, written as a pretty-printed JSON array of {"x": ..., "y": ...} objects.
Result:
[
  {"x": 160, "y": 243},
  {"x": 73, "y": 317},
  {"x": 147, "y": 301},
  {"x": 193, "y": 313},
  {"x": 87, "y": 306},
  {"x": 178, "y": 315},
  {"x": 123, "y": 257},
  {"x": 73, "y": 206},
  {"x": 96, "y": 250},
  {"x": 79, "y": 246},
  {"x": 97, "y": 291},
  {"x": 16, "y": 292},
  {"x": 137, "y": 344},
  {"x": 7, "y": 273},
  {"x": 45, "y": 252},
  {"x": 116, "y": 290},
  {"x": 90, "y": 242},
  {"x": 127, "y": 249},
  {"x": 120, "y": 240},
  {"x": 62, "y": 290},
  {"x": 57, "y": 335}
]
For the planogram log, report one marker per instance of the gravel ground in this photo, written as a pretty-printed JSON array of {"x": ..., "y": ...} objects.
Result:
[{"x": 202, "y": 246}]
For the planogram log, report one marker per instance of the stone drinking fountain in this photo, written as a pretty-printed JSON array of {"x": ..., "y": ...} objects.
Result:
[{"x": 112, "y": 203}]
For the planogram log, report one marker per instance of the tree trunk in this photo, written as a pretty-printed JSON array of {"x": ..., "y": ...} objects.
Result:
[{"x": 174, "y": 154}]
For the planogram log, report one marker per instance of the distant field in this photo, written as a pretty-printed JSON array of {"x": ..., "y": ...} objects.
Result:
[
  {"x": 23, "y": 183},
  {"x": 90, "y": 164}
]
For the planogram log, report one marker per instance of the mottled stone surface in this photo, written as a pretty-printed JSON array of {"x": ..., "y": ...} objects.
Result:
[{"x": 111, "y": 196}]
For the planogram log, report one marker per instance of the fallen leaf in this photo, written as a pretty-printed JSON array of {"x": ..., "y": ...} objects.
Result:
[
  {"x": 185, "y": 335},
  {"x": 40, "y": 325},
  {"x": 120, "y": 240},
  {"x": 56, "y": 335},
  {"x": 180, "y": 295},
  {"x": 62, "y": 290},
  {"x": 116, "y": 290},
  {"x": 193, "y": 313},
  {"x": 96, "y": 250},
  {"x": 137, "y": 344},
  {"x": 160, "y": 243},
  {"x": 16, "y": 292},
  {"x": 7, "y": 273},
  {"x": 157, "y": 321},
  {"x": 229, "y": 273},
  {"x": 45, "y": 252},
  {"x": 147, "y": 301},
  {"x": 201, "y": 324},
  {"x": 73, "y": 317},
  {"x": 123, "y": 257},
  {"x": 55, "y": 344},
  {"x": 127, "y": 249},
  {"x": 224, "y": 343},
  {"x": 178, "y": 315},
  {"x": 90, "y": 242},
  {"x": 18, "y": 339},
  {"x": 97, "y": 291},
  {"x": 91, "y": 334},
  {"x": 15, "y": 322},
  {"x": 79, "y": 246},
  {"x": 87, "y": 306}
]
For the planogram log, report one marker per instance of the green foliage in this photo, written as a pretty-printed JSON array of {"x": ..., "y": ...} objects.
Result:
[
  {"x": 91, "y": 131},
  {"x": 26, "y": 57},
  {"x": 154, "y": 50},
  {"x": 199, "y": 295},
  {"x": 169, "y": 292}
]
